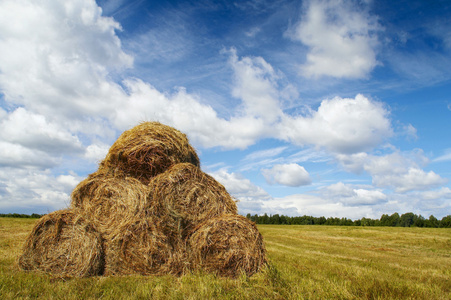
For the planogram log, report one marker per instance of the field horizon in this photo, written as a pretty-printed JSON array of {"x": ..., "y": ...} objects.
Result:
[{"x": 305, "y": 262}]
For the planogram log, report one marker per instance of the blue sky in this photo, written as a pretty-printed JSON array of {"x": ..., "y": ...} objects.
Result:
[{"x": 324, "y": 108}]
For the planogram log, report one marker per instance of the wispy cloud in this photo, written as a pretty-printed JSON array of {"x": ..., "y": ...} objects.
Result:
[
  {"x": 445, "y": 157},
  {"x": 262, "y": 154}
]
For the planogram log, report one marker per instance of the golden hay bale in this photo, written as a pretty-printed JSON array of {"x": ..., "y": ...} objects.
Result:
[
  {"x": 109, "y": 201},
  {"x": 184, "y": 196},
  {"x": 138, "y": 247},
  {"x": 227, "y": 245},
  {"x": 65, "y": 245},
  {"x": 147, "y": 150}
]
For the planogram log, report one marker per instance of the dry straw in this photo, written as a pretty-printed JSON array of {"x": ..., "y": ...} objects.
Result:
[
  {"x": 63, "y": 244},
  {"x": 184, "y": 196},
  {"x": 148, "y": 209},
  {"x": 108, "y": 201},
  {"x": 148, "y": 150},
  {"x": 138, "y": 247},
  {"x": 227, "y": 245}
]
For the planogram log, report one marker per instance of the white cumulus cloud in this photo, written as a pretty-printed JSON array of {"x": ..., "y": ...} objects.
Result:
[
  {"x": 350, "y": 196},
  {"x": 411, "y": 179},
  {"x": 256, "y": 86},
  {"x": 251, "y": 198},
  {"x": 35, "y": 132},
  {"x": 17, "y": 156},
  {"x": 397, "y": 170},
  {"x": 34, "y": 190},
  {"x": 59, "y": 68},
  {"x": 239, "y": 186},
  {"x": 342, "y": 125},
  {"x": 287, "y": 174},
  {"x": 340, "y": 37}
]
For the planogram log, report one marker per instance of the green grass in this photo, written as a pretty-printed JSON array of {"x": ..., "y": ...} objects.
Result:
[{"x": 306, "y": 262}]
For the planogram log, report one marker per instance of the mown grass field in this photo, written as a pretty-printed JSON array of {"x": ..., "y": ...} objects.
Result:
[{"x": 306, "y": 262}]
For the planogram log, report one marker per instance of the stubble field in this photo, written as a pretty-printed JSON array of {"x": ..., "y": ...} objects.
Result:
[{"x": 305, "y": 262}]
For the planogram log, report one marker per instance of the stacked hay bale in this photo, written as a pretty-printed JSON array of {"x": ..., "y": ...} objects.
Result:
[
  {"x": 148, "y": 209},
  {"x": 64, "y": 244}
]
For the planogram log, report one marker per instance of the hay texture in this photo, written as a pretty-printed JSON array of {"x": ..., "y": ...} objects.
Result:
[
  {"x": 149, "y": 209},
  {"x": 184, "y": 196},
  {"x": 148, "y": 150},
  {"x": 109, "y": 202},
  {"x": 65, "y": 245},
  {"x": 227, "y": 245},
  {"x": 138, "y": 247}
]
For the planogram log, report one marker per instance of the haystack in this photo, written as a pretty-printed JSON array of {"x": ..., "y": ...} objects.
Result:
[
  {"x": 227, "y": 245},
  {"x": 108, "y": 202},
  {"x": 148, "y": 209},
  {"x": 138, "y": 247},
  {"x": 63, "y": 244},
  {"x": 184, "y": 196},
  {"x": 148, "y": 150}
]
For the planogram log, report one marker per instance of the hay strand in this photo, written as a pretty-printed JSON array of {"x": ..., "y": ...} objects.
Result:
[
  {"x": 65, "y": 245},
  {"x": 184, "y": 197},
  {"x": 108, "y": 201},
  {"x": 138, "y": 247},
  {"x": 147, "y": 150},
  {"x": 227, "y": 245}
]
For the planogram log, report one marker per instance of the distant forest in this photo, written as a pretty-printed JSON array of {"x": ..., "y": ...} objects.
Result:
[
  {"x": 394, "y": 220},
  {"x": 20, "y": 216}
]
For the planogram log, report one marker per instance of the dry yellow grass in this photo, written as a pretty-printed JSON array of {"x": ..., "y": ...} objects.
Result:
[
  {"x": 305, "y": 262},
  {"x": 363, "y": 262}
]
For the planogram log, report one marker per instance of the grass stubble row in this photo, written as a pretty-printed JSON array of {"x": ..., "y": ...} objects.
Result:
[{"x": 149, "y": 209}]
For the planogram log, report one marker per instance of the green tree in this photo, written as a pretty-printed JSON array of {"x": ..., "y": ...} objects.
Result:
[
  {"x": 367, "y": 222},
  {"x": 433, "y": 222},
  {"x": 446, "y": 222},
  {"x": 284, "y": 220},
  {"x": 385, "y": 220},
  {"x": 320, "y": 221},
  {"x": 265, "y": 219},
  {"x": 420, "y": 221},
  {"x": 393, "y": 220},
  {"x": 407, "y": 219}
]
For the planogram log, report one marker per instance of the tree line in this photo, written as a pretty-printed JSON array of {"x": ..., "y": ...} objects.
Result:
[
  {"x": 15, "y": 215},
  {"x": 395, "y": 220}
]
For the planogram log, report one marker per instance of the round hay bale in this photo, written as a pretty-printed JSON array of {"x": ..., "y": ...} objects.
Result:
[
  {"x": 227, "y": 245},
  {"x": 147, "y": 150},
  {"x": 65, "y": 245},
  {"x": 109, "y": 201},
  {"x": 184, "y": 196},
  {"x": 138, "y": 247}
]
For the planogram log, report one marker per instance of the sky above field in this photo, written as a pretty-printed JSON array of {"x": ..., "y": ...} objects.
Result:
[{"x": 324, "y": 108}]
